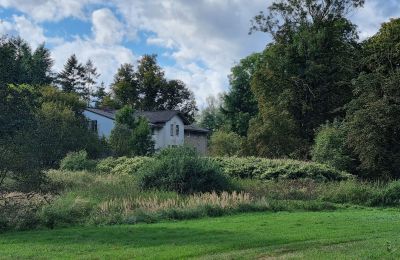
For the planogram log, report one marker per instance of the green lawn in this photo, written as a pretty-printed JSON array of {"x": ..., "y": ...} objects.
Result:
[{"x": 354, "y": 234}]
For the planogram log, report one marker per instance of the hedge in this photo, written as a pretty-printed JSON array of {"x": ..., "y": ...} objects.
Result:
[{"x": 267, "y": 169}]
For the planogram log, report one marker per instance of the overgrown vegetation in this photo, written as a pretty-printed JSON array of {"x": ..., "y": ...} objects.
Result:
[{"x": 182, "y": 170}]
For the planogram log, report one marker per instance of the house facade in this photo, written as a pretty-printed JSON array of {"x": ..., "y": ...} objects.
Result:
[{"x": 169, "y": 128}]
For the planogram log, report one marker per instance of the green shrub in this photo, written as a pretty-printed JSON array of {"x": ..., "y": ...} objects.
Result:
[
  {"x": 182, "y": 170},
  {"x": 223, "y": 143},
  {"x": 122, "y": 165},
  {"x": 266, "y": 169},
  {"x": 330, "y": 147},
  {"x": 77, "y": 161},
  {"x": 66, "y": 211}
]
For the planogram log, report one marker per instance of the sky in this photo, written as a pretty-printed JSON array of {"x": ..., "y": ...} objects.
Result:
[{"x": 197, "y": 41}]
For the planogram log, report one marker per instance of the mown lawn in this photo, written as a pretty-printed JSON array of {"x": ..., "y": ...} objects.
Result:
[{"x": 354, "y": 234}]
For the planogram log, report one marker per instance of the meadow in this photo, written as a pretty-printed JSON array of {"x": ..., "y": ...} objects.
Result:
[{"x": 343, "y": 234}]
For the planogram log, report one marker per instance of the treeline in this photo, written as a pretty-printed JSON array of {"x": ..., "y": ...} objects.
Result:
[
  {"x": 41, "y": 112},
  {"x": 316, "y": 92}
]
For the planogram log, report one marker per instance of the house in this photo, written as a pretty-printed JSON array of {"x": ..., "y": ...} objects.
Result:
[{"x": 169, "y": 128}]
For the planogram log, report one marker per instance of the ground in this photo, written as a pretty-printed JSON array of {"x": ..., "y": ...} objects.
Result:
[{"x": 350, "y": 234}]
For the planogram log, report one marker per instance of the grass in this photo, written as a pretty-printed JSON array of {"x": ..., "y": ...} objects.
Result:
[{"x": 350, "y": 234}]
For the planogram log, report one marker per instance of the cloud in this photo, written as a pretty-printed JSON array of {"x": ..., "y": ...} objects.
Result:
[
  {"x": 107, "y": 58},
  {"x": 374, "y": 13},
  {"x": 206, "y": 37},
  {"x": 107, "y": 28},
  {"x": 28, "y": 30},
  {"x": 49, "y": 10}
]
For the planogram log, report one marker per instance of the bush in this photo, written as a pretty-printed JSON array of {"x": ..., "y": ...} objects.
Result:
[
  {"x": 182, "y": 170},
  {"x": 330, "y": 147},
  {"x": 266, "y": 169},
  {"x": 225, "y": 143},
  {"x": 77, "y": 161},
  {"x": 122, "y": 165}
]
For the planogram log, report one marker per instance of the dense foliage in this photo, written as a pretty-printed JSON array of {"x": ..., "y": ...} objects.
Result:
[
  {"x": 131, "y": 135},
  {"x": 147, "y": 89},
  {"x": 331, "y": 148},
  {"x": 184, "y": 171},
  {"x": 267, "y": 169},
  {"x": 224, "y": 143},
  {"x": 373, "y": 115}
]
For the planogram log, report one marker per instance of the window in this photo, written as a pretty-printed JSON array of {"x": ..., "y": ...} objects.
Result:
[
  {"x": 177, "y": 130},
  {"x": 172, "y": 129},
  {"x": 93, "y": 125}
]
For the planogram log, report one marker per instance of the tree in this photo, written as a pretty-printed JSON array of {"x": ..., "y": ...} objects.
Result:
[
  {"x": 151, "y": 82},
  {"x": 224, "y": 143},
  {"x": 211, "y": 117},
  {"x": 19, "y": 65},
  {"x": 41, "y": 67},
  {"x": 274, "y": 134},
  {"x": 18, "y": 105},
  {"x": 239, "y": 104},
  {"x": 330, "y": 147},
  {"x": 100, "y": 95},
  {"x": 125, "y": 86},
  {"x": 373, "y": 116},
  {"x": 176, "y": 96},
  {"x": 307, "y": 71},
  {"x": 72, "y": 77},
  {"x": 141, "y": 139},
  {"x": 131, "y": 135},
  {"x": 286, "y": 16},
  {"x": 148, "y": 89},
  {"x": 91, "y": 75}
]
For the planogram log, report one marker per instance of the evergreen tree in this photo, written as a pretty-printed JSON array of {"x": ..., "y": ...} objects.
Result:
[
  {"x": 19, "y": 65},
  {"x": 91, "y": 75},
  {"x": 72, "y": 77},
  {"x": 99, "y": 95}
]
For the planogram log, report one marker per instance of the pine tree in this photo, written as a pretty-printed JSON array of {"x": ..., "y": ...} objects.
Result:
[
  {"x": 91, "y": 75},
  {"x": 72, "y": 77},
  {"x": 100, "y": 94}
]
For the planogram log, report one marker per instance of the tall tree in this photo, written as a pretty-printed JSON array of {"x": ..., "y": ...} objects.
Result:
[
  {"x": 41, "y": 66},
  {"x": 72, "y": 77},
  {"x": 125, "y": 85},
  {"x": 239, "y": 104},
  {"x": 19, "y": 65},
  {"x": 211, "y": 116},
  {"x": 91, "y": 75},
  {"x": 307, "y": 71},
  {"x": 151, "y": 81},
  {"x": 146, "y": 88},
  {"x": 373, "y": 116}
]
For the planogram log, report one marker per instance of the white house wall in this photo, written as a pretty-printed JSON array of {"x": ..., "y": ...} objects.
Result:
[
  {"x": 162, "y": 137},
  {"x": 104, "y": 124}
]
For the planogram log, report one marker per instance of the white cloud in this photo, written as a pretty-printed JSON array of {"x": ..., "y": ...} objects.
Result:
[
  {"x": 26, "y": 29},
  {"x": 49, "y": 10},
  {"x": 107, "y": 28},
  {"x": 209, "y": 32},
  {"x": 374, "y": 13},
  {"x": 107, "y": 58}
]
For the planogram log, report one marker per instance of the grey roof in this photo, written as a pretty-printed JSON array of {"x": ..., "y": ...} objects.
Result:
[
  {"x": 194, "y": 128},
  {"x": 154, "y": 117},
  {"x": 106, "y": 113},
  {"x": 157, "y": 117}
]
